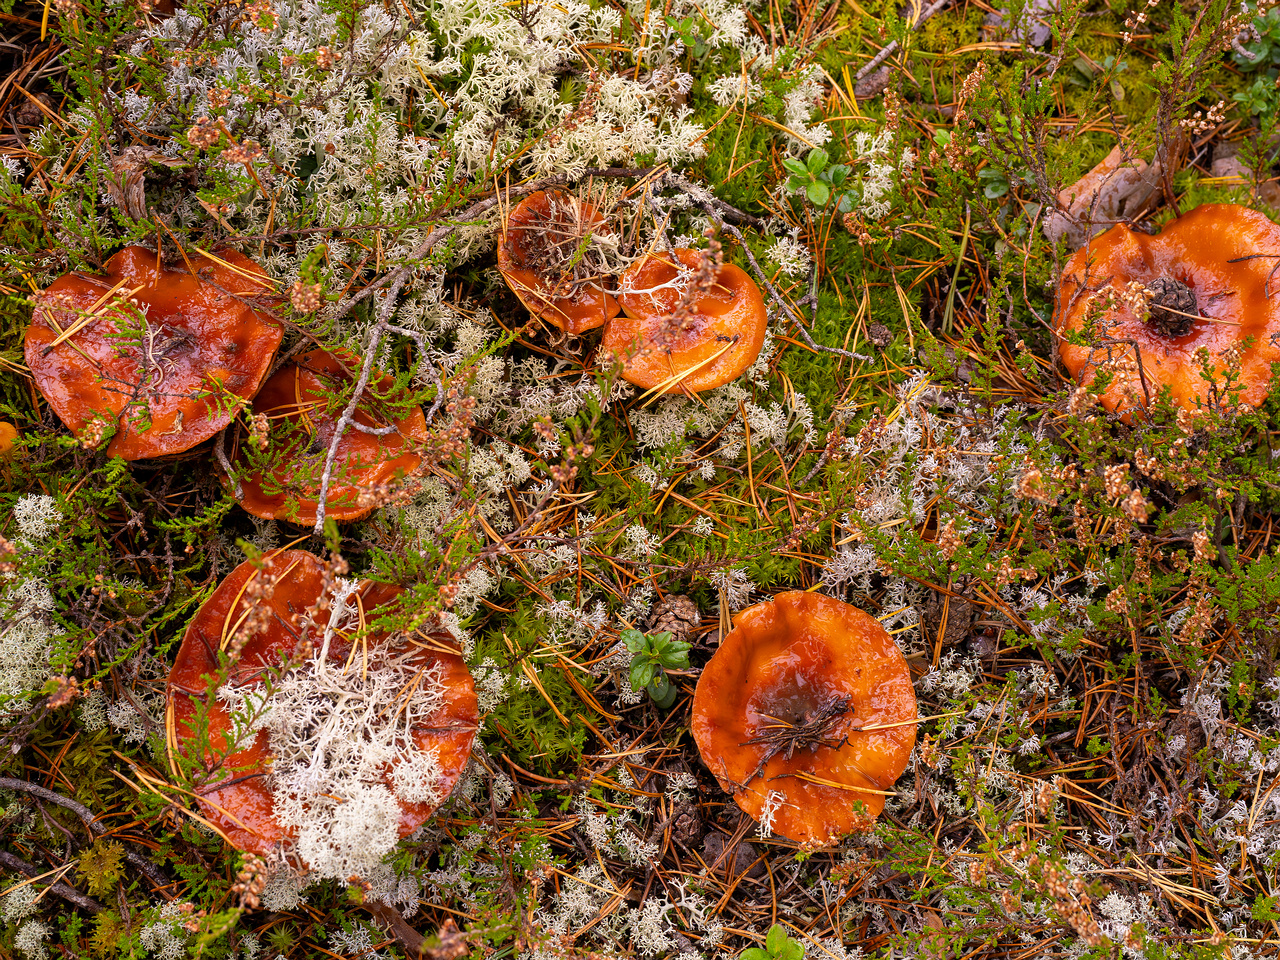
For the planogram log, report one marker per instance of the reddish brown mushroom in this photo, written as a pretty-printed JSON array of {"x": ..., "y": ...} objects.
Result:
[
  {"x": 806, "y": 709},
  {"x": 155, "y": 357},
  {"x": 1156, "y": 301},
  {"x": 670, "y": 345},
  {"x": 544, "y": 255},
  {"x": 284, "y": 482},
  {"x": 270, "y": 613}
]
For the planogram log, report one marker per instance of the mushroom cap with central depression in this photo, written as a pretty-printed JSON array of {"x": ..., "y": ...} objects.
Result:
[
  {"x": 780, "y": 710},
  {"x": 157, "y": 357},
  {"x": 305, "y": 400},
  {"x": 1209, "y": 282},
  {"x": 668, "y": 344},
  {"x": 237, "y": 795}
]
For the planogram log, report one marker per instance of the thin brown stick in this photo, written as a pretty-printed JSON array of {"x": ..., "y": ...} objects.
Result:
[
  {"x": 67, "y": 893},
  {"x": 91, "y": 821}
]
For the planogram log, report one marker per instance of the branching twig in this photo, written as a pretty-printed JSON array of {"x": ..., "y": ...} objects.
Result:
[
  {"x": 887, "y": 51},
  {"x": 395, "y": 281},
  {"x": 220, "y": 451}
]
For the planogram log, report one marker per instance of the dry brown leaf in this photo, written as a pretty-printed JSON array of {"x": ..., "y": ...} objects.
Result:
[{"x": 1116, "y": 189}]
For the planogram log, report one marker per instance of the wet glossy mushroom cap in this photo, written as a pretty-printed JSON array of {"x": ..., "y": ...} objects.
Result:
[
  {"x": 540, "y": 255},
  {"x": 802, "y": 674},
  {"x": 166, "y": 373},
  {"x": 239, "y": 802},
  {"x": 712, "y": 345},
  {"x": 1198, "y": 298},
  {"x": 308, "y": 395}
]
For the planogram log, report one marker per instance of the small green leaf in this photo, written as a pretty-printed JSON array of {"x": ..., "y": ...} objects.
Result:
[
  {"x": 662, "y": 691},
  {"x": 818, "y": 193},
  {"x": 675, "y": 655},
  {"x": 838, "y": 172},
  {"x": 817, "y": 160},
  {"x": 795, "y": 166},
  {"x": 753, "y": 953},
  {"x": 794, "y": 950},
  {"x": 1117, "y": 89},
  {"x": 776, "y": 939},
  {"x": 634, "y": 640},
  {"x": 641, "y": 674}
]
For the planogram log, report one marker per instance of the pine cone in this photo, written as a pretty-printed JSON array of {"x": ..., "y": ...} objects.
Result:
[{"x": 675, "y": 613}]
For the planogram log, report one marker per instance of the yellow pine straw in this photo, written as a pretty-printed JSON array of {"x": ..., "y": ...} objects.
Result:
[
  {"x": 405, "y": 694},
  {"x": 171, "y": 737},
  {"x": 362, "y": 645},
  {"x": 787, "y": 130},
  {"x": 93, "y": 313},
  {"x": 228, "y": 629},
  {"x": 821, "y": 781},
  {"x": 149, "y": 781},
  {"x": 497, "y": 538},
  {"x": 907, "y": 723},
  {"x": 60, "y": 871},
  {"x": 1170, "y": 887},
  {"x": 1200, "y": 316},
  {"x": 178, "y": 243},
  {"x": 430, "y": 86},
  {"x": 585, "y": 694},
  {"x": 258, "y": 278},
  {"x": 431, "y": 645},
  {"x": 293, "y": 410},
  {"x": 650, "y": 395},
  {"x": 533, "y": 678}
]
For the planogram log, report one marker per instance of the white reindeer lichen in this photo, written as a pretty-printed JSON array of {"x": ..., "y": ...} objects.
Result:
[{"x": 343, "y": 739}]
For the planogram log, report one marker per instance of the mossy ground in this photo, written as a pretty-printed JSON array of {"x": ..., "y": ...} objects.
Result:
[{"x": 1083, "y": 748}]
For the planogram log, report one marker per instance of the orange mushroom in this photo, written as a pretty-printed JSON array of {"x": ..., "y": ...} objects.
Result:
[
  {"x": 696, "y": 346},
  {"x": 156, "y": 357},
  {"x": 269, "y": 603},
  {"x": 806, "y": 709},
  {"x": 283, "y": 483},
  {"x": 543, "y": 256},
  {"x": 1156, "y": 301}
]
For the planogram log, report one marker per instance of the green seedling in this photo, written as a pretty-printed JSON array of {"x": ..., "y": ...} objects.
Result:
[
  {"x": 777, "y": 946},
  {"x": 652, "y": 655},
  {"x": 819, "y": 180}
]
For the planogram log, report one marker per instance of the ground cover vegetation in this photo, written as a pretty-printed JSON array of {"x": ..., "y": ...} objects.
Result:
[{"x": 1088, "y": 606}]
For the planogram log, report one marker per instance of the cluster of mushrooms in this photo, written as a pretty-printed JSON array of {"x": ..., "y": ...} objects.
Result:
[
  {"x": 160, "y": 359},
  {"x": 668, "y": 336},
  {"x": 805, "y": 713},
  {"x": 1148, "y": 305}
]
